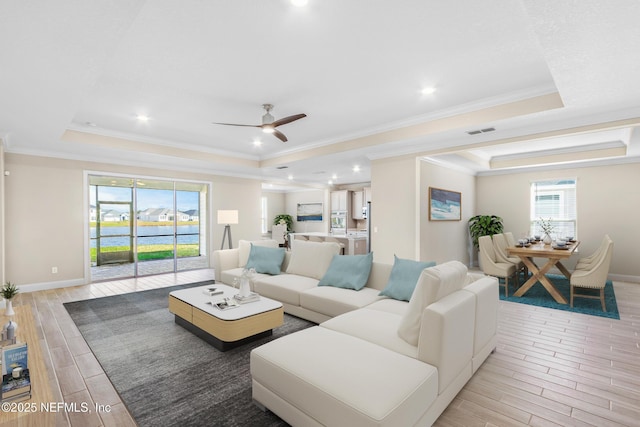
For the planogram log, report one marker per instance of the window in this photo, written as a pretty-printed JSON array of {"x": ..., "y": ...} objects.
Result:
[
  {"x": 263, "y": 216},
  {"x": 555, "y": 200}
]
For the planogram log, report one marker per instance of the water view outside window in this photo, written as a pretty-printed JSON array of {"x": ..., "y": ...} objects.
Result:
[{"x": 136, "y": 223}]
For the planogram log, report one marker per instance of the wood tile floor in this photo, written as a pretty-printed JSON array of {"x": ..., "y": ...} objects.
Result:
[{"x": 551, "y": 368}]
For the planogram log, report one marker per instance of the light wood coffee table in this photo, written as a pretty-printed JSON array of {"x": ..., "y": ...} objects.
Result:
[{"x": 224, "y": 329}]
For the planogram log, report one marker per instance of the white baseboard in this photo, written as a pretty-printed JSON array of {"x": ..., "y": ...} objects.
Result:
[
  {"x": 624, "y": 278},
  {"x": 43, "y": 286}
]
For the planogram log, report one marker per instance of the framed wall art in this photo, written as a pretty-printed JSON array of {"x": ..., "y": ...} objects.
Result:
[
  {"x": 444, "y": 205},
  {"x": 309, "y": 212}
]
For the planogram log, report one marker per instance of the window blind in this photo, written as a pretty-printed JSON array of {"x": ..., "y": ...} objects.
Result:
[{"x": 554, "y": 200}]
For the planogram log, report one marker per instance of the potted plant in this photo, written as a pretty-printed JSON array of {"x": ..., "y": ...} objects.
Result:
[
  {"x": 484, "y": 225},
  {"x": 284, "y": 219},
  {"x": 8, "y": 291}
]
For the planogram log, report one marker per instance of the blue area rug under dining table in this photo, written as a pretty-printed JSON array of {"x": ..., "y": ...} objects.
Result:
[{"x": 539, "y": 296}]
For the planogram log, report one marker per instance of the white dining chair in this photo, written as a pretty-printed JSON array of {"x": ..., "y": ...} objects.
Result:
[
  {"x": 592, "y": 276},
  {"x": 500, "y": 245},
  {"x": 491, "y": 266},
  {"x": 585, "y": 262}
]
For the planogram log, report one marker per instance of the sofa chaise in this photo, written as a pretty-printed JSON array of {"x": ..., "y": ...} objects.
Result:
[{"x": 372, "y": 360}]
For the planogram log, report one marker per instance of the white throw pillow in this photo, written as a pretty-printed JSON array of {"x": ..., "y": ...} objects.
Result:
[
  {"x": 435, "y": 283},
  {"x": 244, "y": 248},
  {"x": 311, "y": 259}
]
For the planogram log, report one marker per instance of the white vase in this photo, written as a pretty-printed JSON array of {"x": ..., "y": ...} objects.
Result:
[
  {"x": 245, "y": 288},
  {"x": 9, "y": 310},
  {"x": 547, "y": 239}
]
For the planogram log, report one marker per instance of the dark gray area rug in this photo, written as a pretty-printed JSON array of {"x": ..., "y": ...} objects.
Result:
[{"x": 165, "y": 375}]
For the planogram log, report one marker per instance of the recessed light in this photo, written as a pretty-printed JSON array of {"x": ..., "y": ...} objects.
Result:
[
  {"x": 290, "y": 177},
  {"x": 356, "y": 168},
  {"x": 428, "y": 90},
  {"x": 142, "y": 118},
  {"x": 330, "y": 182},
  {"x": 299, "y": 3},
  {"x": 334, "y": 176},
  {"x": 257, "y": 143}
]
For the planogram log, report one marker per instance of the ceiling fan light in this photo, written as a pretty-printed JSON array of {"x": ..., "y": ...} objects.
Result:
[
  {"x": 267, "y": 118},
  {"x": 268, "y": 129}
]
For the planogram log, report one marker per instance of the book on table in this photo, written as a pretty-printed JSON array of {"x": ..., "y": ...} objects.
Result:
[
  {"x": 16, "y": 389},
  {"x": 245, "y": 299},
  {"x": 14, "y": 356},
  {"x": 224, "y": 304}
]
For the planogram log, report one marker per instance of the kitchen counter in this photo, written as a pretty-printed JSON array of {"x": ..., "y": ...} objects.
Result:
[{"x": 354, "y": 242}]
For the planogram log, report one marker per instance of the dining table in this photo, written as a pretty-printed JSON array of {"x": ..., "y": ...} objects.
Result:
[{"x": 553, "y": 254}]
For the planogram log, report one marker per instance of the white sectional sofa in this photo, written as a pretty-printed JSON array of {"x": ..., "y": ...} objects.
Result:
[
  {"x": 298, "y": 289},
  {"x": 372, "y": 360}
]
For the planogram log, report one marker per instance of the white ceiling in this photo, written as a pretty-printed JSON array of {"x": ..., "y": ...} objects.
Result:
[{"x": 557, "y": 80}]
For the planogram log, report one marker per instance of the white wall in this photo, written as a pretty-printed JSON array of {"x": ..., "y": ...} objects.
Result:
[
  {"x": 45, "y": 214},
  {"x": 442, "y": 241},
  {"x": 395, "y": 209},
  {"x": 275, "y": 206},
  {"x": 608, "y": 202}
]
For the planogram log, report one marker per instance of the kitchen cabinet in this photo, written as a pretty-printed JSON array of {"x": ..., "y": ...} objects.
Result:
[{"x": 339, "y": 200}]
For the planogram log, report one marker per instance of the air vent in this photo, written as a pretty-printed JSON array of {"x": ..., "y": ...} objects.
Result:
[
  {"x": 282, "y": 167},
  {"x": 485, "y": 130}
]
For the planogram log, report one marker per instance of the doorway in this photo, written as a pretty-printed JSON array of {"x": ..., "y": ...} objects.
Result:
[{"x": 145, "y": 226}]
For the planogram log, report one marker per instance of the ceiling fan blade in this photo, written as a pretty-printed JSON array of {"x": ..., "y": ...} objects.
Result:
[
  {"x": 289, "y": 119},
  {"x": 279, "y": 135},
  {"x": 235, "y": 124}
]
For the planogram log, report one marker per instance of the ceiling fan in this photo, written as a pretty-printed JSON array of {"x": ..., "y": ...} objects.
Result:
[{"x": 269, "y": 124}]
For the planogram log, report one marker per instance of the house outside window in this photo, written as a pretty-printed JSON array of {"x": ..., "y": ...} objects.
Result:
[{"x": 554, "y": 200}]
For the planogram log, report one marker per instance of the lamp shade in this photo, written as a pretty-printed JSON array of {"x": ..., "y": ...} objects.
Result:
[{"x": 227, "y": 217}]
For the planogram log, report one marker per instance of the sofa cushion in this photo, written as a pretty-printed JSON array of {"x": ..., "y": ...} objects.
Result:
[
  {"x": 390, "y": 306},
  {"x": 404, "y": 277},
  {"x": 376, "y": 326},
  {"x": 244, "y": 249},
  {"x": 311, "y": 259},
  {"x": 285, "y": 288},
  {"x": 265, "y": 259},
  {"x": 340, "y": 380},
  {"x": 434, "y": 283},
  {"x": 332, "y": 301},
  {"x": 348, "y": 271}
]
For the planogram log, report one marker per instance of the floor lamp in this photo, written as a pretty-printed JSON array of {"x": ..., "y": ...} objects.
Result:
[{"x": 227, "y": 217}]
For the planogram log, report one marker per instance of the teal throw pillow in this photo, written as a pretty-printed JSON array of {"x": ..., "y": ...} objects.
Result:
[
  {"x": 265, "y": 260},
  {"x": 348, "y": 271},
  {"x": 404, "y": 277}
]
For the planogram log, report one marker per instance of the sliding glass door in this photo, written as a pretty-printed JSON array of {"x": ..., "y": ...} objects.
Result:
[{"x": 142, "y": 226}]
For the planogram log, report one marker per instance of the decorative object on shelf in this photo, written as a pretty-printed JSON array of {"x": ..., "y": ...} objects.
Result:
[
  {"x": 547, "y": 228},
  {"x": 228, "y": 218},
  {"x": 444, "y": 205},
  {"x": 8, "y": 291},
  {"x": 484, "y": 225}
]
